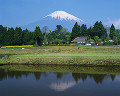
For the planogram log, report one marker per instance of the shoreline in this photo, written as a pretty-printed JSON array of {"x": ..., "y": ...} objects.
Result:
[
  {"x": 60, "y": 68},
  {"x": 79, "y": 65}
]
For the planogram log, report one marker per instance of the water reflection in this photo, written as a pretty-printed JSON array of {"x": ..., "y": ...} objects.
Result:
[
  {"x": 98, "y": 78},
  {"x": 20, "y": 83},
  {"x": 37, "y": 75},
  {"x": 62, "y": 85}
]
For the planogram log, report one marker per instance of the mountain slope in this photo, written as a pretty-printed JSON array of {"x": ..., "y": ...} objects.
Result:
[{"x": 56, "y": 18}]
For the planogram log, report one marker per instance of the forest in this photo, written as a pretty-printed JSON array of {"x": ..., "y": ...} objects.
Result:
[{"x": 97, "y": 33}]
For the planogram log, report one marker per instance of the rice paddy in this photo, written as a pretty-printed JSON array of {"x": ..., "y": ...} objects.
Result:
[{"x": 63, "y": 55}]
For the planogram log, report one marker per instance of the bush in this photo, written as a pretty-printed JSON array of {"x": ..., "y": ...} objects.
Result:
[
  {"x": 107, "y": 44},
  {"x": 35, "y": 45},
  {"x": 31, "y": 42},
  {"x": 118, "y": 41},
  {"x": 52, "y": 45},
  {"x": 93, "y": 44},
  {"x": 100, "y": 44},
  {"x": 59, "y": 45},
  {"x": 64, "y": 44}
]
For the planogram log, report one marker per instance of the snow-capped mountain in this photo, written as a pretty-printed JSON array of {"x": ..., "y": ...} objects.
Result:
[
  {"x": 62, "y": 15},
  {"x": 62, "y": 18}
]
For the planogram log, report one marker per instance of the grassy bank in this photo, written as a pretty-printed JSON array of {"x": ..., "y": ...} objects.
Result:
[
  {"x": 59, "y": 68},
  {"x": 63, "y": 55}
]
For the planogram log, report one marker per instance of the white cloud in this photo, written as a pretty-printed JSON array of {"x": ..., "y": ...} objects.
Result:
[{"x": 115, "y": 22}]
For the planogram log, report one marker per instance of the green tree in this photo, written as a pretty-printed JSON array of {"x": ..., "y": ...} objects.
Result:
[
  {"x": 18, "y": 36},
  {"x": 11, "y": 36},
  {"x": 59, "y": 28},
  {"x": 66, "y": 35},
  {"x": 84, "y": 30},
  {"x": 112, "y": 31},
  {"x": 3, "y": 35},
  {"x": 108, "y": 38},
  {"x": 28, "y": 38},
  {"x": 58, "y": 31},
  {"x": 116, "y": 36},
  {"x": 99, "y": 30},
  {"x": 25, "y": 36},
  {"x": 51, "y": 36},
  {"x": 38, "y": 36},
  {"x": 75, "y": 31},
  {"x": 89, "y": 32},
  {"x": 79, "y": 31},
  {"x": 96, "y": 38},
  {"x": 59, "y": 35}
]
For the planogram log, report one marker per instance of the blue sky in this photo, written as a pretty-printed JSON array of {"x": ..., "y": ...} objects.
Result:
[{"x": 21, "y": 12}]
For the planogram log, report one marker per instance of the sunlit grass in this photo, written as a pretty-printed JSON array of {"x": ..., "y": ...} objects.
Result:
[{"x": 64, "y": 55}]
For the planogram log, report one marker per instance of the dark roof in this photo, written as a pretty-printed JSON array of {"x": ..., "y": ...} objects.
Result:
[{"x": 79, "y": 39}]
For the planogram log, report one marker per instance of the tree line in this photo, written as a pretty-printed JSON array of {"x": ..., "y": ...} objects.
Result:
[
  {"x": 96, "y": 33},
  {"x": 76, "y": 76},
  {"x": 17, "y": 36},
  {"x": 97, "y": 30}
]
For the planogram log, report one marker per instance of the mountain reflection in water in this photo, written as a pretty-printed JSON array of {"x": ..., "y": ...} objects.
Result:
[
  {"x": 98, "y": 78},
  {"x": 62, "y": 85},
  {"x": 20, "y": 83}
]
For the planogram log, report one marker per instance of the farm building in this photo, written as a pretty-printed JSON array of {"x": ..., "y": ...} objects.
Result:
[{"x": 79, "y": 41}]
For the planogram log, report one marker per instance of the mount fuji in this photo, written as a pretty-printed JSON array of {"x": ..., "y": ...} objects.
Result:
[{"x": 62, "y": 18}]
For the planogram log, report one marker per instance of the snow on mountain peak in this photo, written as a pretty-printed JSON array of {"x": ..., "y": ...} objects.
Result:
[{"x": 62, "y": 15}]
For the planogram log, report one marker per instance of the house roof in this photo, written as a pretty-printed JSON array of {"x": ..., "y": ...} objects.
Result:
[{"x": 79, "y": 39}]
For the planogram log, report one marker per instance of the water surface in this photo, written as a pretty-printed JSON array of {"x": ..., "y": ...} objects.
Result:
[{"x": 15, "y": 83}]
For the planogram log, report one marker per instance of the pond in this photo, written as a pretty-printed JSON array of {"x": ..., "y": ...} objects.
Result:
[{"x": 20, "y": 83}]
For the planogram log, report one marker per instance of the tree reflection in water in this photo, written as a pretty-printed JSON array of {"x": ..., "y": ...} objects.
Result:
[{"x": 98, "y": 78}]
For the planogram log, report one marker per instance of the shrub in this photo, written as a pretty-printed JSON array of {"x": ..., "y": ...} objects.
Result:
[
  {"x": 107, "y": 44},
  {"x": 100, "y": 44},
  {"x": 35, "y": 45}
]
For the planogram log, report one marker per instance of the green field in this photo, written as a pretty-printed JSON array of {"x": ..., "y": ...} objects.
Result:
[{"x": 64, "y": 55}]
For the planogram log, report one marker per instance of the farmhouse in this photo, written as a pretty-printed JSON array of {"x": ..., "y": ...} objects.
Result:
[{"x": 79, "y": 41}]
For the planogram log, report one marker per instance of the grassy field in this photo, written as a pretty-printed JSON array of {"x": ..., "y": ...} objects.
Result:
[{"x": 64, "y": 55}]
